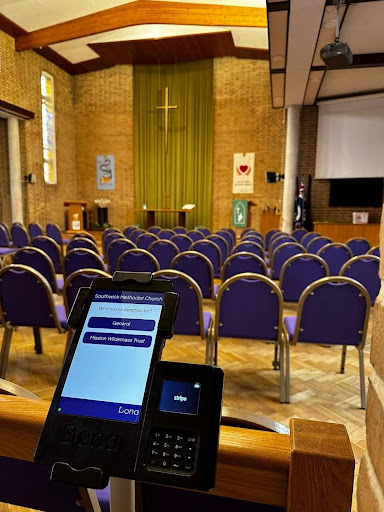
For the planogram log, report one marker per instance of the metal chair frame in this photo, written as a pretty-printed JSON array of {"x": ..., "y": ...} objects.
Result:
[
  {"x": 372, "y": 249},
  {"x": 76, "y": 250},
  {"x": 44, "y": 255},
  {"x": 93, "y": 244},
  {"x": 272, "y": 260},
  {"x": 192, "y": 248},
  {"x": 210, "y": 237},
  {"x": 146, "y": 234},
  {"x": 315, "y": 239},
  {"x": 303, "y": 241},
  {"x": 20, "y": 225},
  {"x": 152, "y": 257},
  {"x": 204, "y": 258},
  {"x": 243, "y": 253},
  {"x": 58, "y": 248},
  {"x": 234, "y": 250},
  {"x": 358, "y": 239}
]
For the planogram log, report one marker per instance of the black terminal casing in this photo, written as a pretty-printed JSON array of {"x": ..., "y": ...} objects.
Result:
[{"x": 337, "y": 55}]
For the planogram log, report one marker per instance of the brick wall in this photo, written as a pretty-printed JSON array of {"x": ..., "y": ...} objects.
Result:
[
  {"x": 20, "y": 85},
  {"x": 320, "y": 210},
  {"x": 370, "y": 489},
  {"x": 244, "y": 121}
]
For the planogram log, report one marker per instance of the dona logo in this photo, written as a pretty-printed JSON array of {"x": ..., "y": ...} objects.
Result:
[
  {"x": 180, "y": 398},
  {"x": 123, "y": 410}
]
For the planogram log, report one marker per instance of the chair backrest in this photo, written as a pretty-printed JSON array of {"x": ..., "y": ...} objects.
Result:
[
  {"x": 81, "y": 258},
  {"x": 179, "y": 230},
  {"x": 145, "y": 240},
  {"x": 52, "y": 249},
  {"x": 183, "y": 242},
  {"x": 154, "y": 229},
  {"x": 115, "y": 250},
  {"x": 299, "y": 233},
  {"x": 249, "y": 306},
  {"x": 253, "y": 238},
  {"x": 375, "y": 250},
  {"x": 240, "y": 262},
  {"x": 222, "y": 244},
  {"x": 358, "y": 245},
  {"x": 300, "y": 271},
  {"x": 308, "y": 237},
  {"x": 34, "y": 229},
  {"x": 280, "y": 240},
  {"x": 130, "y": 229},
  {"x": 335, "y": 254},
  {"x": 316, "y": 244},
  {"x": 196, "y": 234},
  {"x": 79, "y": 279},
  {"x": 333, "y": 311},
  {"x": 137, "y": 260},
  {"x": 205, "y": 231},
  {"x": 4, "y": 238},
  {"x": 38, "y": 260},
  {"x": 89, "y": 236},
  {"x": 166, "y": 234},
  {"x": 6, "y": 227},
  {"x": 164, "y": 251},
  {"x": 365, "y": 270},
  {"x": 135, "y": 234},
  {"x": 250, "y": 246},
  {"x": 54, "y": 232},
  {"x": 281, "y": 254},
  {"x": 20, "y": 235},
  {"x": 82, "y": 243},
  {"x": 110, "y": 238},
  {"x": 246, "y": 231},
  {"x": 199, "y": 267},
  {"x": 212, "y": 251},
  {"x": 189, "y": 318},
  {"x": 269, "y": 235},
  {"x": 232, "y": 233},
  {"x": 26, "y": 298},
  {"x": 228, "y": 237}
]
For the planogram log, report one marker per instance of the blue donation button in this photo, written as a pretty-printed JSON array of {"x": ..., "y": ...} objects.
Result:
[
  {"x": 128, "y": 324},
  {"x": 111, "y": 338}
]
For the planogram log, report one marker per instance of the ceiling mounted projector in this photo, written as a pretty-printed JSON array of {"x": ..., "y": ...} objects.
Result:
[{"x": 337, "y": 54}]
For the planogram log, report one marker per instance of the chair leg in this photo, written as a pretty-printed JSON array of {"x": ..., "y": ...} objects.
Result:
[
  {"x": 282, "y": 372},
  {"x": 4, "y": 354},
  {"x": 362, "y": 378},
  {"x": 215, "y": 353},
  {"x": 287, "y": 374},
  {"x": 38, "y": 342},
  {"x": 276, "y": 359},
  {"x": 343, "y": 356}
]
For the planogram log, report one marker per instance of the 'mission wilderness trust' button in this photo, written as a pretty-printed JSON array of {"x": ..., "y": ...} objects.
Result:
[{"x": 127, "y": 340}]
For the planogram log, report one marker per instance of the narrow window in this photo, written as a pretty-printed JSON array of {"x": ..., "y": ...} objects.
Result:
[{"x": 48, "y": 122}]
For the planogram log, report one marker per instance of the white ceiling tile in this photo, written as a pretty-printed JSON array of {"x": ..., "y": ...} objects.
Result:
[
  {"x": 351, "y": 81},
  {"x": 363, "y": 27}
]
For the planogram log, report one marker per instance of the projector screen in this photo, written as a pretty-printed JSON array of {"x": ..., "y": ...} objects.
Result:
[{"x": 350, "y": 139}]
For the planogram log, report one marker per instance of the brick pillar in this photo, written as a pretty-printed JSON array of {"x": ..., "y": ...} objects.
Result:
[{"x": 370, "y": 487}]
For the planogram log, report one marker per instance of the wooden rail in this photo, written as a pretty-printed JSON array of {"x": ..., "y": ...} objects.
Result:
[{"x": 311, "y": 470}]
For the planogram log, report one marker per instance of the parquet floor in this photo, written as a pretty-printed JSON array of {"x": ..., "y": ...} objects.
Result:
[{"x": 318, "y": 391}]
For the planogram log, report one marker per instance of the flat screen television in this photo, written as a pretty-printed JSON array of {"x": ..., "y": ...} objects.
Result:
[{"x": 356, "y": 192}]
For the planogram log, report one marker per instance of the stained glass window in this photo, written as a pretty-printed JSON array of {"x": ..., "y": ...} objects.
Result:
[{"x": 48, "y": 123}]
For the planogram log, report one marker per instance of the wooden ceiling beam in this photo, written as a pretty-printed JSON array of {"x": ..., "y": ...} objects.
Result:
[{"x": 144, "y": 12}]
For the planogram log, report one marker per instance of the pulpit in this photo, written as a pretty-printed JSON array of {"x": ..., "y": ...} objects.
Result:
[{"x": 75, "y": 220}]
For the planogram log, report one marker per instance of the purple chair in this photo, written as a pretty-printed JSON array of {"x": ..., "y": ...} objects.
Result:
[
  {"x": 34, "y": 229},
  {"x": 279, "y": 240},
  {"x": 253, "y": 238},
  {"x": 166, "y": 234},
  {"x": 164, "y": 251},
  {"x": 78, "y": 259},
  {"x": 38, "y": 260},
  {"x": 79, "y": 279},
  {"x": 5, "y": 244},
  {"x": 135, "y": 234},
  {"x": 241, "y": 262},
  {"x": 269, "y": 235},
  {"x": 183, "y": 242},
  {"x": 246, "y": 231},
  {"x": 179, "y": 230},
  {"x": 82, "y": 243},
  {"x": 20, "y": 235},
  {"x": 211, "y": 251},
  {"x": 298, "y": 234},
  {"x": 26, "y": 300},
  {"x": 205, "y": 231},
  {"x": 130, "y": 229},
  {"x": 300, "y": 271},
  {"x": 145, "y": 240},
  {"x": 222, "y": 244},
  {"x": 110, "y": 238},
  {"x": 331, "y": 311},
  {"x": 115, "y": 249},
  {"x": 249, "y": 306},
  {"x": 88, "y": 236},
  {"x": 155, "y": 230},
  {"x": 232, "y": 233},
  {"x": 252, "y": 247},
  {"x": 6, "y": 227},
  {"x": 358, "y": 245},
  {"x": 308, "y": 237},
  {"x": 375, "y": 251},
  {"x": 335, "y": 255},
  {"x": 52, "y": 249},
  {"x": 196, "y": 234},
  {"x": 281, "y": 254},
  {"x": 191, "y": 319},
  {"x": 54, "y": 232},
  {"x": 365, "y": 270},
  {"x": 137, "y": 260},
  {"x": 199, "y": 267},
  {"x": 228, "y": 237},
  {"x": 316, "y": 244}
]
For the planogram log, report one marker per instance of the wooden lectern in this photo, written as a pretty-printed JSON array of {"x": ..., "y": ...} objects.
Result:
[{"x": 75, "y": 211}]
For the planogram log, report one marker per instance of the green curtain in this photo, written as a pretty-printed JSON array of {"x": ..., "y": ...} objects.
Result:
[{"x": 184, "y": 174}]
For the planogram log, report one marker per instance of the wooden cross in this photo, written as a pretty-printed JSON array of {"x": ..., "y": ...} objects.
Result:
[{"x": 166, "y": 109}]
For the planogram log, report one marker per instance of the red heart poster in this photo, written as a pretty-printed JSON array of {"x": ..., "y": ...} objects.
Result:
[{"x": 243, "y": 167}]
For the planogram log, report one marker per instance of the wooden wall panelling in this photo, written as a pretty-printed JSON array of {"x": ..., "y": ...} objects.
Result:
[
  {"x": 269, "y": 221},
  {"x": 340, "y": 232}
]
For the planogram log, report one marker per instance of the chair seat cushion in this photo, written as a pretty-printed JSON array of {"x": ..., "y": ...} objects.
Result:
[
  {"x": 103, "y": 498},
  {"x": 290, "y": 324},
  {"x": 6, "y": 250},
  {"x": 60, "y": 283},
  {"x": 215, "y": 288},
  {"x": 62, "y": 316},
  {"x": 207, "y": 320},
  {"x": 66, "y": 241}
]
